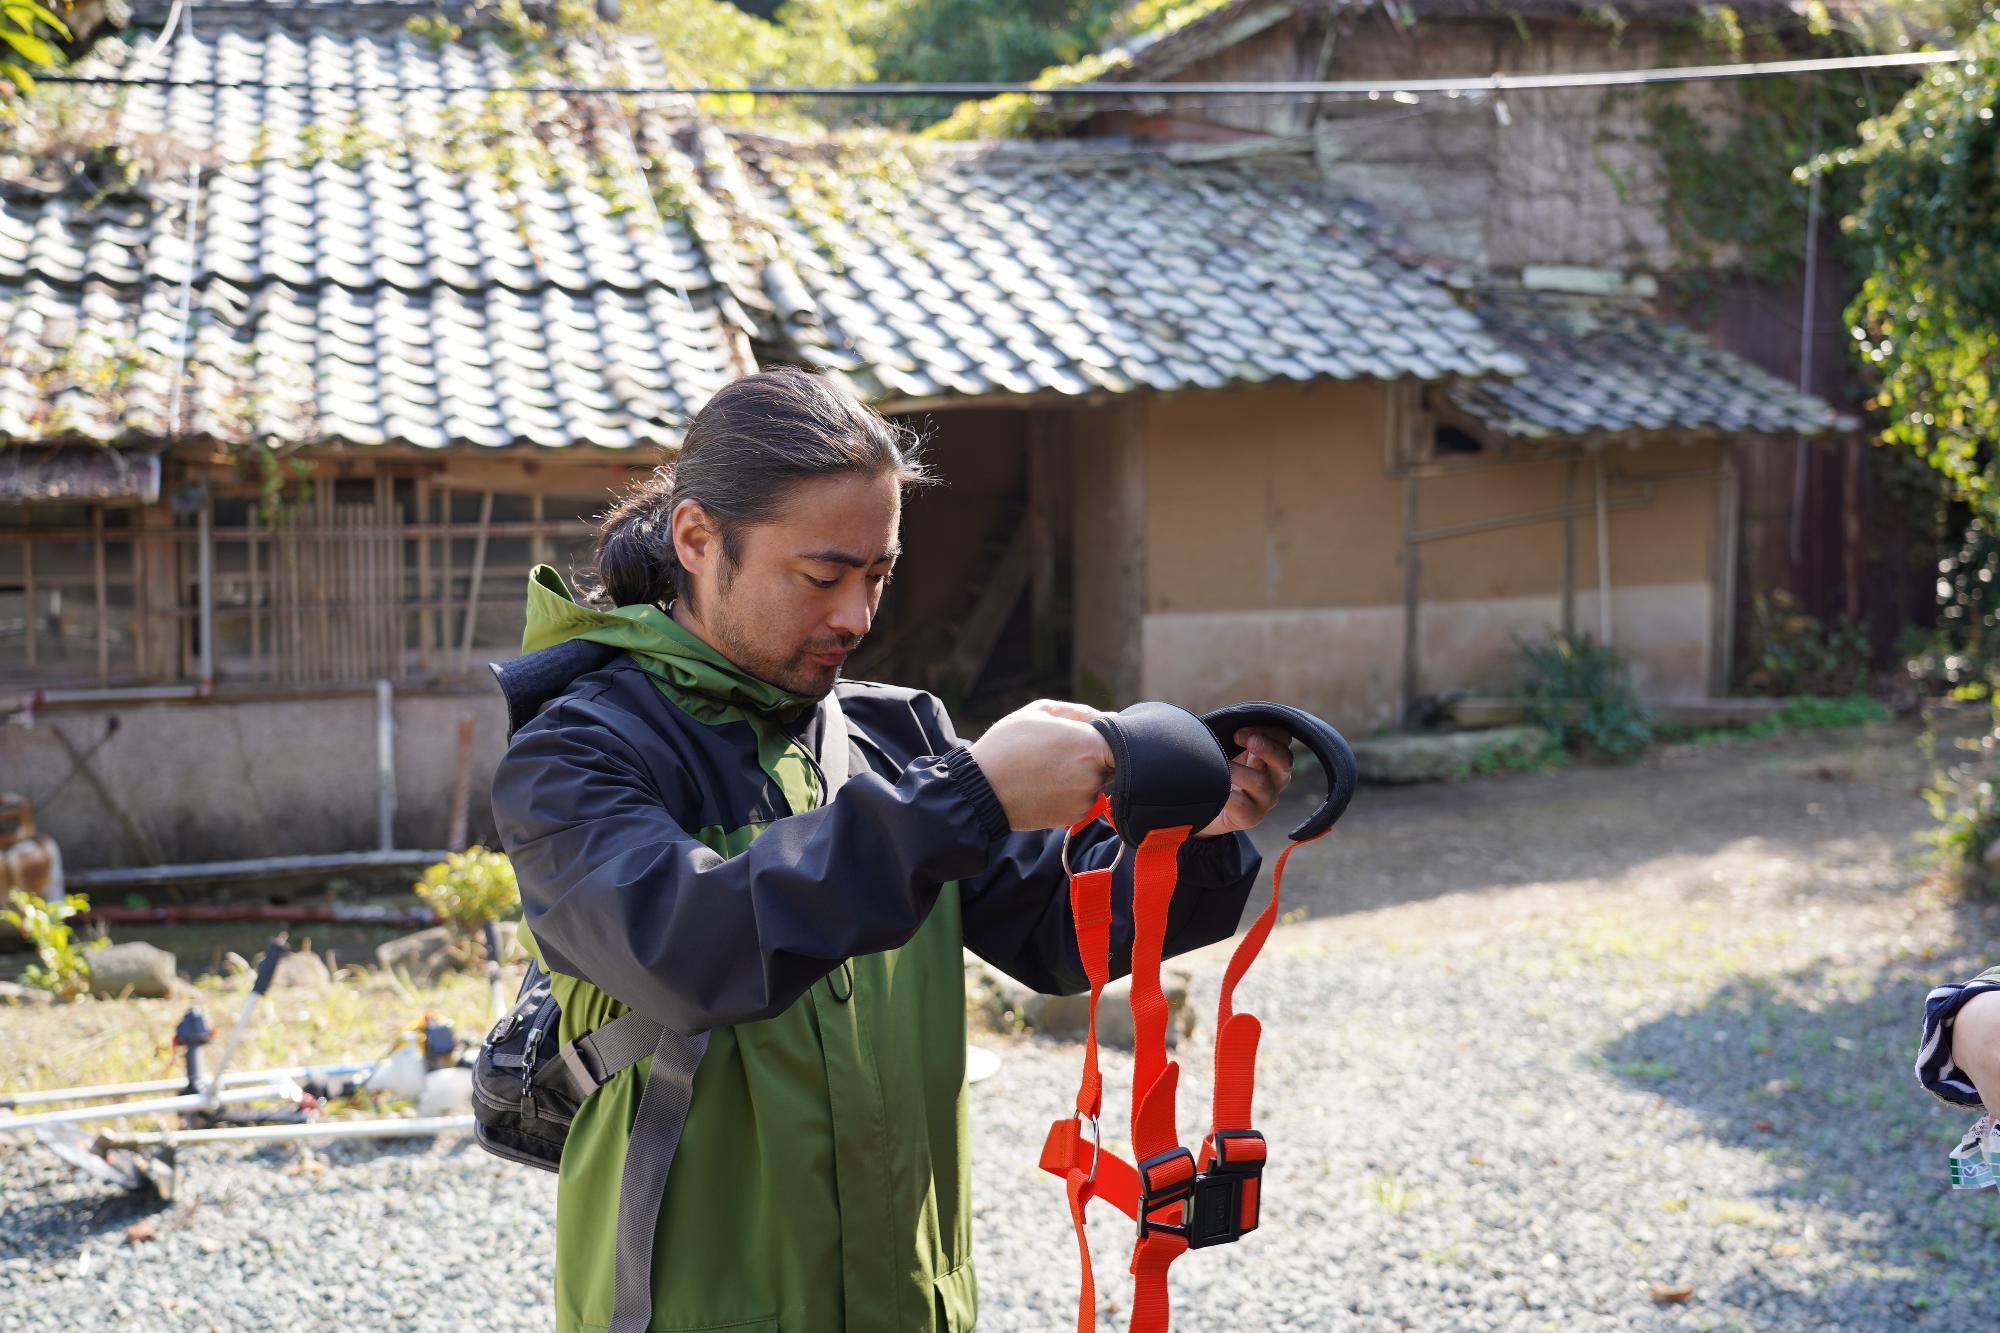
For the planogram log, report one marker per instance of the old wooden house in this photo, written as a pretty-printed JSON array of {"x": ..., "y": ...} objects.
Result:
[{"x": 314, "y": 342}]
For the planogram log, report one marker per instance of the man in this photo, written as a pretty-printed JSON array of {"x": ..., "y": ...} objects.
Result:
[{"x": 666, "y": 822}]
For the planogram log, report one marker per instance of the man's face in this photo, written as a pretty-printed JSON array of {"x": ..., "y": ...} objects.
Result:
[{"x": 805, "y": 588}]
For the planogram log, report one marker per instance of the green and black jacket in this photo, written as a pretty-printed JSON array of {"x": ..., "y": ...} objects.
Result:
[{"x": 664, "y": 818}]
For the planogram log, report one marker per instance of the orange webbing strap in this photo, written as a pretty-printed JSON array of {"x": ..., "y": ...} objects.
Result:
[
  {"x": 1154, "y": 1077},
  {"x": 1084, "y": 1171},
  {"x": 1088, "y": 1172},
  {"x": 1236, "y": 1034}
]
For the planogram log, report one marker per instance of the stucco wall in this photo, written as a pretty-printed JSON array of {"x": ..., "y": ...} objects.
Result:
[
  {"x": 228, "y": 781},
  {"x": 1569, "y": 178},
  {"x": 1273, "y": 538}
]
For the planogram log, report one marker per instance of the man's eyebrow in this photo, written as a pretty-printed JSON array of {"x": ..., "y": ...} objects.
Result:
[{"x": 849, "y": 559}]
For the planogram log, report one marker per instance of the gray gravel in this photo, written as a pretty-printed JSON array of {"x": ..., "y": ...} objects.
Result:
[{"x": 1517, "y": 1103}]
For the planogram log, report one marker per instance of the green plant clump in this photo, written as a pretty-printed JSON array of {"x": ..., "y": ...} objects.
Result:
[
  {"x": 469, "y": 888},
  {"x": 63, "y": 968},
  {"x": 1581, "y": 693},
  {"x": 1799, "y": 654}
]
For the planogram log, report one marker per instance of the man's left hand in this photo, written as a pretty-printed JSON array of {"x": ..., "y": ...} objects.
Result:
[{"x": 1257, "y": 774}]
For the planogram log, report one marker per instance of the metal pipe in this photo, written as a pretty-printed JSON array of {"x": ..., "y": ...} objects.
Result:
[
  {"x": 385, "y": 764},
  {"x": 122, "y": 876},
  {"x": 1603, "y": 560},
  {"x": 326, "y": 1129},
  {"x": 192, "y": 1101},
  {"x": 367, "y": 914},
  {"x": 297, "y": 1073},
  {"x": 267, "y": 968}
]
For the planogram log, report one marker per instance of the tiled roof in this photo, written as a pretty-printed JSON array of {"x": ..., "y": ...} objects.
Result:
[
  {"x": 507, "y": 281},
  {"x": 930, "y": 271},
  {"x": 1600, "y": 366}
]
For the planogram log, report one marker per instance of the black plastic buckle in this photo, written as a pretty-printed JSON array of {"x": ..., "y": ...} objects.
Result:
[
  {"x": 1215, "y": 1215},
  {"x": 578, "y": 1062},
  {"x": 1178, "y": 1192}
]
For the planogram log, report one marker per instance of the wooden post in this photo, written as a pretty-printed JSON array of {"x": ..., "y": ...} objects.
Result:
[
  {"x": 251, "y": 540},
  {"x": 444, "y": 584},
  {"x": 472, "y": 588},
  {"x": 103, "y": 596},
  {"x": 205, "y": 589},
  {"x": 1131, "y": 429},
  {"x": 1045, "y": 470},
  {"x": 426, "y": 618},
  {"x": 1569, "y": 550},
  {"x": 1850, "y": 549},
  {"x": 1603, "y": 559},
  {"x": 34, "y": 602},
  {"x": 461, "y": 788},
  {"x": 322, "y": 576},
  {"x": 1412, "y": 589}
]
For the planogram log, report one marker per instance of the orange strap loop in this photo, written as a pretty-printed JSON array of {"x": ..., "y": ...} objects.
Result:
[{"x": 1179, "y": 1200}]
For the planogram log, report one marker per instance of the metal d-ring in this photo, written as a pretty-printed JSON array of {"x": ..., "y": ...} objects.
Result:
[
  {"x": 1096, "y": 1145},
  {"x": 1067, "y": 832}
]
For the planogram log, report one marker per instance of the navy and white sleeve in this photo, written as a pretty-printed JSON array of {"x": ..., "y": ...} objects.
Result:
[{"x": 1935, "y": 1069}]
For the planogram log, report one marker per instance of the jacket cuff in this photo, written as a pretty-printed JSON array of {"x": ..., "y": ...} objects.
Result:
[
  {"x": 1223, "y": 859},
  {"x": 969, "y": 780}
]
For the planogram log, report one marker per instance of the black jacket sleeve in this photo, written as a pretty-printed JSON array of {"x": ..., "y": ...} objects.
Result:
[
  {"x": 1017, "y": 916},
  {"x": 616, "y": 892}
]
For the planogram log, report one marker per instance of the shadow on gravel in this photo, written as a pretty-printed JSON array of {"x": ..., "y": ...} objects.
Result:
[
  {"x": 46, "y": 1230},
  {"x": 1812, "y": 1071}
]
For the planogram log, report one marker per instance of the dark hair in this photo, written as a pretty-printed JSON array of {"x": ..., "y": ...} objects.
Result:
[{"x": 755, "y": 440}]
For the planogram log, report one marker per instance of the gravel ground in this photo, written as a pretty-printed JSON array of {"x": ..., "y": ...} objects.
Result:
[{"x": 1546, "y": 1048}]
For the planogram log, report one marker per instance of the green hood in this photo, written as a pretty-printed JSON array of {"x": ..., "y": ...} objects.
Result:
[{"x": 660, "y": 644}]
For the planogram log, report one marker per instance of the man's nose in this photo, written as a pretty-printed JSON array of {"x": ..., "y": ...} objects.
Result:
[{"x": 851, "y": 613}]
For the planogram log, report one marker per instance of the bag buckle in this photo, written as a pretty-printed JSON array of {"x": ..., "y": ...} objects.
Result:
[
  {"x": 575, "y": 1061},
  {"x": 1166, "y": 1178}
]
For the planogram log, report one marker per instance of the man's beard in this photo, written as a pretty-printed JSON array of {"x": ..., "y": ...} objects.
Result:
[{"x": 795, "y": 673}]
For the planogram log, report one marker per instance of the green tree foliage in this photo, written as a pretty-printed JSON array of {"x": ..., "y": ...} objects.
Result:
[
  {"x": 1927, "y": 320},
  {"x": 928, "y": 41},
  {"x": 28, "y": 35},
  {"x": 713, "y": 42}
]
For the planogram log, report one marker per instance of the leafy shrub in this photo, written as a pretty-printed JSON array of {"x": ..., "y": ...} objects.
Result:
[
  {"x": 469, "y": 888},
  {"x": 1581, "y": 692},
  {"x": 1797, "y": 653},
  {"x": 64, "y": 966}
]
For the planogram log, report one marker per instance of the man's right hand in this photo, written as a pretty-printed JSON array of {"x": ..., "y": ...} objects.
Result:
[
  {"x": 1046, "y": 763},
  {"x": 1975, "y": 1045}
]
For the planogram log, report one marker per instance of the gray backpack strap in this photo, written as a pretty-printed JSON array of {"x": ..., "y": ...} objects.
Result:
[
  {"x": 834, "y": 750},
  {"x": 663, "y": 1107},
  {"x": 589, "y": 1062},
  {"x": 642, "y": 1187}
]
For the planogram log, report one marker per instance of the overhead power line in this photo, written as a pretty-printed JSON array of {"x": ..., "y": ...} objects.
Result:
[{"x": 1371, "y": 88}]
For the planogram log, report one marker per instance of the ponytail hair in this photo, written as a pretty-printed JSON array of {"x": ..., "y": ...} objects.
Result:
[{"x": 742, "y": 455}]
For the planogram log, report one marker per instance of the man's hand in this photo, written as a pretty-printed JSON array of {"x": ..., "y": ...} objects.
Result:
[
  {"x": 1046, "y": 763},
  {"x": 1256, "y": 777},
  {"x": 1975, "y": 1045}
]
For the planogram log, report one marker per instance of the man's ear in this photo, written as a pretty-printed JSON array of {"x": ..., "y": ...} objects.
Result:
[{"x": 696, "y": 542}]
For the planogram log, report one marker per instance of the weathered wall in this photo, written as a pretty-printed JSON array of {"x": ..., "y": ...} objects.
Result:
[
  {"x": 1273, "y": 538},
  {"x": 226, "y": 781},
  {"x": 1568, "y": 179}
]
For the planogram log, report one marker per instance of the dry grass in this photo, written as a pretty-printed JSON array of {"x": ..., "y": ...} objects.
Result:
[{"x": 358, "y": 1017}]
